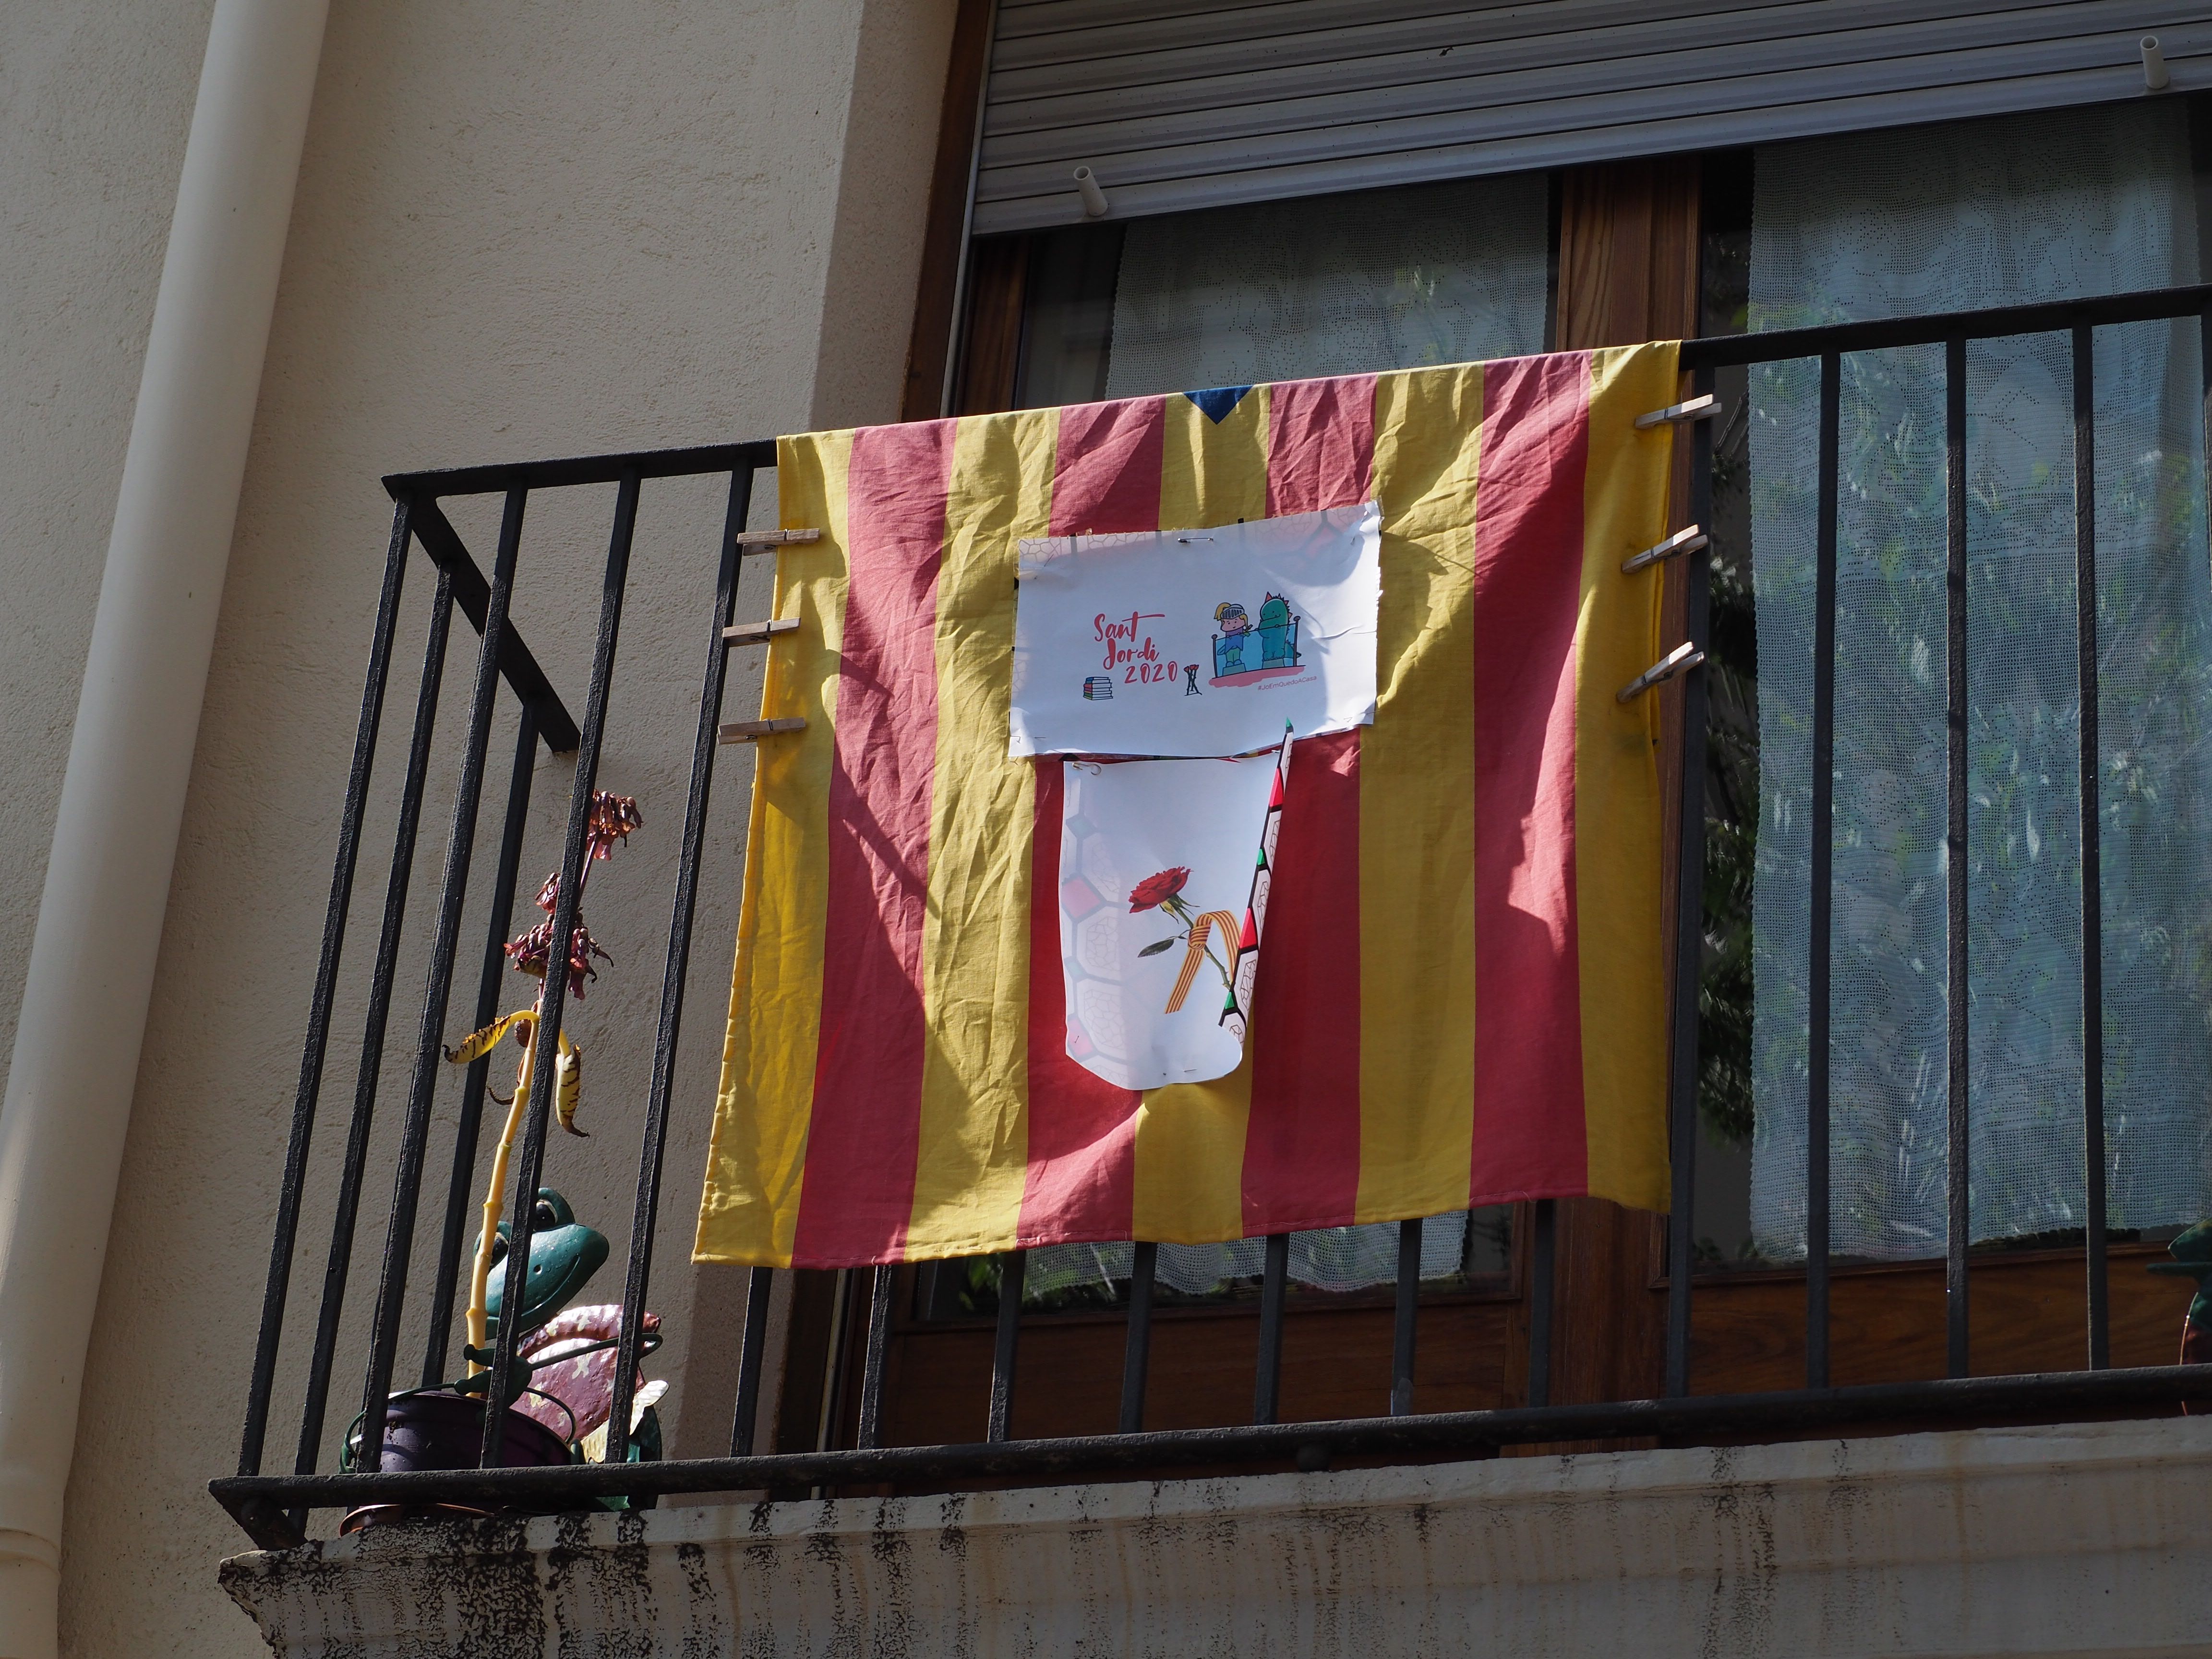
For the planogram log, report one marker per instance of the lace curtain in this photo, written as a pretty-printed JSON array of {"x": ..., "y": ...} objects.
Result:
[
  {"x": 1288, "y": 290},
  {"x": 1889, "y": 224},
  {"x": 1450, "y": 273}
]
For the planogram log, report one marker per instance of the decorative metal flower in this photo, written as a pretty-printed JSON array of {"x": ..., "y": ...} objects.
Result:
[
  {"x": 608, "y": 823},
  {"x": 530, "y": 952},
  {"x": 612, "y": 817},
  {"x": 606, "y": 826}
]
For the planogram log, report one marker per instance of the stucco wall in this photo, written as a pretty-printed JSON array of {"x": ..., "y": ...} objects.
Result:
[
  {"x": 94, "y": 102},
  {"x": 522, "y": 229}
]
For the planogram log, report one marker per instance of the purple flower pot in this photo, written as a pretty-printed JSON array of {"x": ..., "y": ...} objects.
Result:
[{"x": 445, "y": 1431}]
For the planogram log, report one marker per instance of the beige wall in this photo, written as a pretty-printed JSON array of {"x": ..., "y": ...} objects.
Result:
[
  {"x": 95, "y": 100},
  {"x": 522, "y": 229}
]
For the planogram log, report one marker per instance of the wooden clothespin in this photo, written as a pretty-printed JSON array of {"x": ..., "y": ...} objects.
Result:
[
  {"x": 1680, "y": 660},
  {"x": 1697, "y": 409},
  {"x": 753, "y": 731},
  {"x": 758, "y": 633},
  {"x": 759, "y": 541},
  {"x": 1682, "y": 541}
]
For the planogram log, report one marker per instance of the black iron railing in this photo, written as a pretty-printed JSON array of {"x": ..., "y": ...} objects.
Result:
[{"x": 273, "y": 1507}]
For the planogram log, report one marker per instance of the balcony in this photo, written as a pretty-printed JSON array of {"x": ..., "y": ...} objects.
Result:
[{"x": 1722, "y": 1503}]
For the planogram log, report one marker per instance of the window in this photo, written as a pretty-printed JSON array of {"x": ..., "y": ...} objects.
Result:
[
  {"x": 2005, "y": 211},
  {"x": 1887, "y": 223}
]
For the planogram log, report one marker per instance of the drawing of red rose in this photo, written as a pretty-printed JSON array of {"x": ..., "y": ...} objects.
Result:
[{"x": 1157, "y": 889}]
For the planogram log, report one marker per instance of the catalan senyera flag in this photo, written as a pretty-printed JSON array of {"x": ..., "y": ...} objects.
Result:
[{"x": 1461, "y": 1001}]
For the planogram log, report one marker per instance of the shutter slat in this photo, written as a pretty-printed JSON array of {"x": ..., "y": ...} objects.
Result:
[
  {"x": 1093, "y": 32},
  {"x": 1428, "y": 50},
  {"x": 1279, "y": 113},
  {"x": 1517, "y": 78}
]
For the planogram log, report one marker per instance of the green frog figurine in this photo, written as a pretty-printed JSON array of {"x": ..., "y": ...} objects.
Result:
[
  {"x": 564, "y": 1254},
  {"x": 2191, "y": 1251}
]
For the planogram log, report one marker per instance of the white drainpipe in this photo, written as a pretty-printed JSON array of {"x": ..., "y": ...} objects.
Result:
[{"x": 91, "y": 970}]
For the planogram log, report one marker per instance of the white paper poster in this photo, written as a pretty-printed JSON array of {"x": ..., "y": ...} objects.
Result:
[
  {"x": 1197, "y": 642},
  {"x": 1163, "y": 875}
]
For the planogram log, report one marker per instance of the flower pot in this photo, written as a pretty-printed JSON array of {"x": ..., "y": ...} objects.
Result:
[{"x": 438, "y": 1428}]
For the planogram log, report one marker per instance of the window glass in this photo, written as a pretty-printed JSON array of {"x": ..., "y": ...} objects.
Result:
[
  {"x": 1067, "y": 317},
  {"x": 1885, "y": 224},
  {"x": 1446, "y": 273},
  {"x": 1721, "y": 1228},
  {"x": 1471, "y": 1250}
]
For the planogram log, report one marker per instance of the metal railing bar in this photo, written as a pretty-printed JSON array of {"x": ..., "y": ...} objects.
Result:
[
  {"x": 254, "y": 1432},
  {"x": 471, "y": 593},
  {"x": 355, "y": 1162},
  {"x": 1137, "y": 1348},
  {"x": 877, "y": 1356},
  {"x": 1274, "y": 1285},
  {"x": 2052, "y": 1398},
  {"x": 1711, "y": 351},
  {"x": 1822, "y": 829},
  {"x": 1689, "y": 929},
  {"x": 1405, "y": 1324},
  {"x": 584, "y": 470},
  {"x": 546, "y": 1038},
  {"x": 437, "y": 995},
  {"x": 753, "y": 1357},
  {"x": 1543, "y": 1249},
  {"x": 461, "y": 1185},
  {"x": 834, "y": 1368},
  {"x": 1006, "y": 1349},
  {"x": 1956, "y": 1125},
  {"x": 2093, "y": 912},
  {"x": 2051, "y": 317},
  {"x": 653, "y": 1147}
]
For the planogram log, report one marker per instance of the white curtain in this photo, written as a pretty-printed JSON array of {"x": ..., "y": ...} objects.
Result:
[
  {"x": 1445, "y": 273},
  {"x": 1332, "y": 1259},
  {"x": 1892, "y": 224}
]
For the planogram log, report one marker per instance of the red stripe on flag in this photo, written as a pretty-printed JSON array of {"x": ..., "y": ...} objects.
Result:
[
  {"x": 1302, "y": 1140},
  {"x": 1081, "y": 1178},
  {"x": 856, "y": 1191},
  {"x": 1106, "y": 472},
  {"x": 1320, "y": 444},
  {"x": 1529, "y": 1137}
]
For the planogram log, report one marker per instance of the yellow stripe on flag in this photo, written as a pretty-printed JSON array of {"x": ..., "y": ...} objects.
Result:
[
  {"x": 749, "y": 1211},
  {"x": 1617, "y": 802},
  {"x": 974, "y": 1133},
  {"x": 1190, "y": 1136},
  {"x": 1417, "y": 806},
  {"x": 1214, "y": 472}
]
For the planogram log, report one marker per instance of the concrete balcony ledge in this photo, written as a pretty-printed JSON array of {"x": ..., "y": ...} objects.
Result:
[{"x": 2076, "y": 1540}]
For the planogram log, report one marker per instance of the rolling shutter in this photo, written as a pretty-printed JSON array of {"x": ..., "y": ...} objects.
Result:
[{"x": 1186, "y": 106}]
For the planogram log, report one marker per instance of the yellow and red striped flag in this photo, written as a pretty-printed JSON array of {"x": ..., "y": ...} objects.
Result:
[{"x": 1460, "y": 999}]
